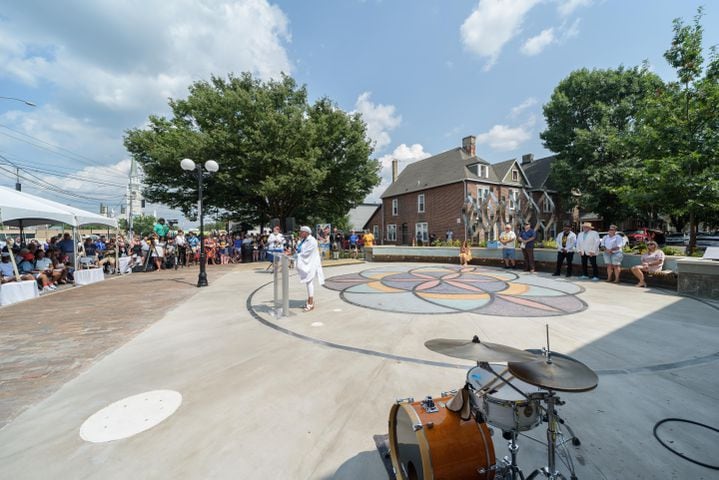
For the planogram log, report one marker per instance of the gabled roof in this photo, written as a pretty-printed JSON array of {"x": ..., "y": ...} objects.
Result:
[
  {"x": 441, "y": 169},
  {"x": 503, "y": 168},
  {"x": 538, "y": 172},
  {"x": 361, "y": 214}
]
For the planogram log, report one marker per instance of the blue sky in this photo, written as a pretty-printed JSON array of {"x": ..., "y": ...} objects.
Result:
[{"x": 423, "y": 73}]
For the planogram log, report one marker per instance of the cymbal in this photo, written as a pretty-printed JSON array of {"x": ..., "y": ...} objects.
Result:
[
  {"x": 561, "y": 373},
  {"x": 478, "y": 351}
]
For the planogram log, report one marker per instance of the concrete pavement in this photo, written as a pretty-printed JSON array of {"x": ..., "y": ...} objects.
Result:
[{"x": 305, "y": 397}]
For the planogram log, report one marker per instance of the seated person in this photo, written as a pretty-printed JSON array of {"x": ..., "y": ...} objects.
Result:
[
  {"x": 45, "y": 271},
  {"x": 90, "y": 257},
  {"x": 27, "y": 267},
  {"x": 58, "y": 266},
  {"x": 107, "y": 259},
  {"x": 465, "y": 254},
  {"x": 6, "y": 271},
  {"x": 652, "y": 262}
]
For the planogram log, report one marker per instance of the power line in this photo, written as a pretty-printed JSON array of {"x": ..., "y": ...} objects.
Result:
[
  {"x": 39, "y": 182},
  {"x": 77, "y": 156}
]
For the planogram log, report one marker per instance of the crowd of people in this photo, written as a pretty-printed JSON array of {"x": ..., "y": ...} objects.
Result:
[
  {"x": 52, "y": 263},
  {"x": 587, "y": 244}
]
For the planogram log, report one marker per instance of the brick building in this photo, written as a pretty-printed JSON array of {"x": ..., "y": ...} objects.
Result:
[{"x": 456, "y": 191}]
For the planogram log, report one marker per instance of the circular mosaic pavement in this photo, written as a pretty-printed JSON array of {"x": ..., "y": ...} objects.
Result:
[{"x": 455, "y": 289}]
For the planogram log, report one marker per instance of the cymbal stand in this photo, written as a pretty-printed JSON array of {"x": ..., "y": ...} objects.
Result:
[{"x": 550, "y": 471}]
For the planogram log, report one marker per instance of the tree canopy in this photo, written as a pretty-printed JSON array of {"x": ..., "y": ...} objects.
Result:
[
  {"x": 279, "y": 156},
  {"x": 630, "y": 144},
  {"x": 590, "y": 118},
  {"x": 678, "y": 135}
]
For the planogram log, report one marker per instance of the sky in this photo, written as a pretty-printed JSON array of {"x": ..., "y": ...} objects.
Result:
[{"x": 422, "y": 73}]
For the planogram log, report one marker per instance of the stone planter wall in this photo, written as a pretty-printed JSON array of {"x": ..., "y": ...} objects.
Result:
[{"x": 545, "y": 260}]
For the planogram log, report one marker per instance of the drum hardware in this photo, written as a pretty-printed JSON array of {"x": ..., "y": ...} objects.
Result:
[
  {"x": 404, "y": 400},
  {"x": 428, "y": 405},
  {"x": 448, "y": 393}
]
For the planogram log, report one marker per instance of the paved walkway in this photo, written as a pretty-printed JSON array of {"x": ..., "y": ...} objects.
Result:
[{"x": 308, "y": 396}]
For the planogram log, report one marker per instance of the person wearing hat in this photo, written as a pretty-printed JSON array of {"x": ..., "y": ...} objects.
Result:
[
  {"x": 588, "y": 247},
  {"x": 309, "y": 264},
  {"x": 566, "y": 240},
  {"x": 508, "y": 239}
]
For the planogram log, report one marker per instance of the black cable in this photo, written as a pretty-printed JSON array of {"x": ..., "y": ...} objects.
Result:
[{"x": 656, "y": 426}]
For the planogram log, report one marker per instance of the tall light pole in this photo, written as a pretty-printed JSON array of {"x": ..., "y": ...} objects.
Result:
[
  {"x": 26, "y": 102},
  {"x": 211, "y": 166}
]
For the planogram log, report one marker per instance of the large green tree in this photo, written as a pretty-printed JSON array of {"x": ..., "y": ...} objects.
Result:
[
  {"x": 678, "y": 135},
  {"x": 590, "y": 118},
  {"x": 279, "y": 155}
]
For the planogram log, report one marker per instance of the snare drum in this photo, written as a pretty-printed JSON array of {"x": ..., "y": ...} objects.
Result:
[
  {"x": 501, "y": 405},
  {"x": 429, "y": 442}
]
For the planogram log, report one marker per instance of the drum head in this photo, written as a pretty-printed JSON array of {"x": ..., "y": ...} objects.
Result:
[{"x": 404, "y": 444}]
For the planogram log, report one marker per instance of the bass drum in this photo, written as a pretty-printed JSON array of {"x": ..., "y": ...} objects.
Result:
[{"x": 438, "y": 445}]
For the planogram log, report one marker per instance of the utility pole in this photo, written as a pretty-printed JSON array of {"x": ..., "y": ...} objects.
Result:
[{"x": 18, "y": 187}]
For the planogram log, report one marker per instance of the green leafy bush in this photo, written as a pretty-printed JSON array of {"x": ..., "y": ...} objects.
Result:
[{"x": 671, "y": 251}]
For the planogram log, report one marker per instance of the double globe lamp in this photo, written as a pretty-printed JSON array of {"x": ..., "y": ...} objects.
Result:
[{"x": 211, "y": 166}]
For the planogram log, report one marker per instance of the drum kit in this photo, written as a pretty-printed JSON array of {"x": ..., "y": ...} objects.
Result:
[{"x": 449, "y": 437}]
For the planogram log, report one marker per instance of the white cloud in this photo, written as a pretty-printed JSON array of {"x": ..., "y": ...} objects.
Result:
[
  {"x": 571, "y": 31},
  {"x": 536, "y": 44},
  {"x": 380, "y": 120},
  {"x": 143, "y": 55},
  {"x": 504, "y": 138},
  {"x": 492, "y": 24},
  {"x": 405, "y": 155},
  {"x": 567, "y": 7},
  {"x": 528, "y": 103}
]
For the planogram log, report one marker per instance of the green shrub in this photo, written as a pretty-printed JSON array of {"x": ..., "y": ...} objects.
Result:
[
  {"x": 549, "y": 244},
  {"x": 671, "y": 251},
  {"x": 483, "y": 244}
]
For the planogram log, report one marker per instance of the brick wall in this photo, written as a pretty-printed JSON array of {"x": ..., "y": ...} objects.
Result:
[{"x": 443, "y": 206}]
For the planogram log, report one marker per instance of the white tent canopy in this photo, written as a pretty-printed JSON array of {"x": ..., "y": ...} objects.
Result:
[{"x": 18, "y": 208}]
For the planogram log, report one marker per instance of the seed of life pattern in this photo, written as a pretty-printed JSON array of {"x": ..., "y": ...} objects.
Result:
[{"x": 442, "y": 289}]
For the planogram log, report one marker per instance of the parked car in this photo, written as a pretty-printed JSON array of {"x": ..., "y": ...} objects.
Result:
[
  {"x": 643, "y": 235},
  {"x": 679, "y": 238},
  {"x": 706, "y": 239}
]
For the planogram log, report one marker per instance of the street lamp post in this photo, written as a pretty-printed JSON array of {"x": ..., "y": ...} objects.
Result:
[
  {"x": 26, "y": 102},
  {"x": 211, "y": 166}
]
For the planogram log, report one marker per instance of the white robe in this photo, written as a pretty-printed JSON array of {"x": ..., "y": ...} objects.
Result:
[{"x": 309, "y": 264}]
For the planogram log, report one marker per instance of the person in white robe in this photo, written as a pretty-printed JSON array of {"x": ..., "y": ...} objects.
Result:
[{"x": 309, "y": 264}]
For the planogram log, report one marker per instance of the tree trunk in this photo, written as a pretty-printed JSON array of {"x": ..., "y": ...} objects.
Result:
[{"x": 692, "y": 234}]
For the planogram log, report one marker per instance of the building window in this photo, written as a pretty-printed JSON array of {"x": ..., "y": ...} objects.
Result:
[
  {"x": 395, "y": 207},
  {"x": 420, "y": 203},
  {"x": 513, "y": 199},
  {"x": 484, "y": 171},
  {"x": 546, "y": 205},
  {"x": 482, "y": 193},
  {"x": 392, "y": 232},
  {"x": 421, "y": 231},
  {"x": 515, "y": 176},
  {"x": 375, "y": 231}
]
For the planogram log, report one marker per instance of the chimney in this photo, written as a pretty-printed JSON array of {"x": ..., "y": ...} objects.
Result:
[
  {"x": 527, "y": 158},
  {"x": 469, "y": 144},
  {"x": 395, "y": 163}
]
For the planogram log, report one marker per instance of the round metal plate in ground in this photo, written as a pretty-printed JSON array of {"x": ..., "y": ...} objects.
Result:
[{"x": 130, "y": 416}]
